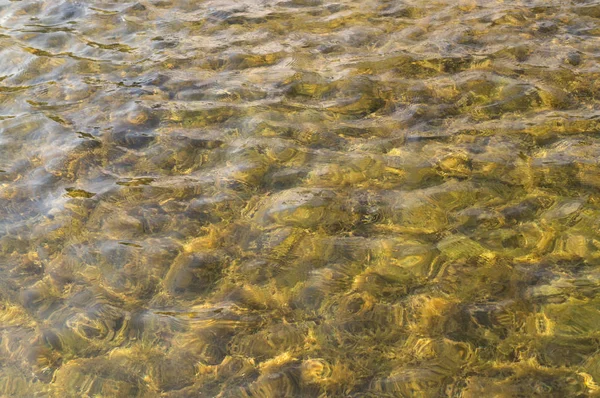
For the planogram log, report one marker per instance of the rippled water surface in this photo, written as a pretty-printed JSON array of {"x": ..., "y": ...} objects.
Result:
[{"x": 303, "y": 198}]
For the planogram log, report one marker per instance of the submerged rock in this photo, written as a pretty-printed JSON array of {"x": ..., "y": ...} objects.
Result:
[
  {"x": 193, "y": 273},
  {"x": 304, "y": 208}
]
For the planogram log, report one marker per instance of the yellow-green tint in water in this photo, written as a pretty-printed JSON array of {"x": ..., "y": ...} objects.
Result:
[{"x": 303, "y": 198}]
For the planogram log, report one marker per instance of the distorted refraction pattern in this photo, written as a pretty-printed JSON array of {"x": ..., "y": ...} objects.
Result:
[{"x": 303, "y": 198}]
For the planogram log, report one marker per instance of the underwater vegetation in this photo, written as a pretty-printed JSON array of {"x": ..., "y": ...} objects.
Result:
[{"x": 300, "y": 198}]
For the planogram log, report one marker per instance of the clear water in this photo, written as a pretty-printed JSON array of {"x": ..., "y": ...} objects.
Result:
[{"x": 299, "y": 198}]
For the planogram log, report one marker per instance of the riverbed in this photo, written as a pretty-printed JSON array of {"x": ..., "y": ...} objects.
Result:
[{"x": 302, "y": 198}]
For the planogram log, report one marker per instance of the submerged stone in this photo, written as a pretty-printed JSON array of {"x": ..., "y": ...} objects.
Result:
[
  {"x": 195, "y": 273},
  {"x": 304, "y": 208}
]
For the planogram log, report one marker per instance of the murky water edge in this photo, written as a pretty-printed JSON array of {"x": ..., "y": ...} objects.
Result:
[{"x": 304, "y": 198}]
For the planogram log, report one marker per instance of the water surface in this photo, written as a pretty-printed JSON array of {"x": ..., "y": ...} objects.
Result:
[{"x": 303, "y": 198}]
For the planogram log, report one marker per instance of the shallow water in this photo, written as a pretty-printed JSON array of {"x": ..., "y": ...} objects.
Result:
[{"x": 299, "y": 198}]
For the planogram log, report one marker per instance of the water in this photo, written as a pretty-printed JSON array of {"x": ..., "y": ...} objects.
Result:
[{"x": 299, "y": 198}]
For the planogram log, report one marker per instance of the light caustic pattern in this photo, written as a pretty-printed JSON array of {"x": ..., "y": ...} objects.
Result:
[{"x": 299, "y": 198}]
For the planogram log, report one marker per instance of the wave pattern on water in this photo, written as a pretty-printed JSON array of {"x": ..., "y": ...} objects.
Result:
[{"x": 306, "y": 198}]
